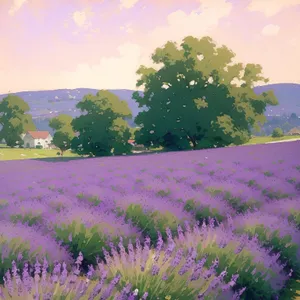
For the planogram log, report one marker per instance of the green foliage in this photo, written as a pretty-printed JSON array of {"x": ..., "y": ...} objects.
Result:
[
  {"x": 277, "y": 132},
  {"x": 133, "y": 132},
  {"x": 275, "y": 194},
  {"x": 30, "y": 218},
  {"x": 94, "y": 200},
  {"x": 268, "y": 174},
  {"x": 202, "y": 213},
  {"x": 291, "y": 291},
  {"x": 10, "y": 249},
  {"x": 3, "y": 203},
  {"x": 60, "y": 121},
  {"x": 14, "y": 120},
  {"x": 192, "y": 100},
  {"x": 241, "y": 263},
  {"x": 79, "y": 238},
  {"x": 39, "y": 147},
  {"x": 102, "y": 129},
  {"x": 64, "y": 133},
  {"x": 295, "y": 217},
  {"x": 174, "y": 287},
  {"x": 235, "y": 202},
  {"x": 283, "y": 245},
  {"x": 151, "y": 222}
]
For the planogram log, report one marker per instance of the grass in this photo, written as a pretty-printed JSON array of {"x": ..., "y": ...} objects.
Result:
[
  {"x": 267, "y": 139},
  {"x": 19, "y": 153}
]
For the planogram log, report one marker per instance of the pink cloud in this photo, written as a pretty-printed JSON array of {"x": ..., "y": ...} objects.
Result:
[{"x": 43, "y": 46}]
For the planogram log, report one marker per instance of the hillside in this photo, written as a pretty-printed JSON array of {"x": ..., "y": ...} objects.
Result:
[
  {"x": 288, "y": 95},
  {"x": 47, "y": 104}
]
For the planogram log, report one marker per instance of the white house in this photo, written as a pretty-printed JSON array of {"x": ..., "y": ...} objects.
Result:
[{"x": 37, "y": 138}]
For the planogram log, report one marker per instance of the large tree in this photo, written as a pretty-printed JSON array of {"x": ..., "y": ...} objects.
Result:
[
  {"x": 199, "y": 98},
  {"x": 102, "y": 129},
  {"x": 14, "y": 120},
  {"x": 64, "y": 133}
]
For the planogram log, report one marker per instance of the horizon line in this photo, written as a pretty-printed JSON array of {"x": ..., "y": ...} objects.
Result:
[{"x": 118, "y": 89}]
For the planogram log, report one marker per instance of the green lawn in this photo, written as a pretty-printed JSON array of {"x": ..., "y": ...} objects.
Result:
[
  {"x": 267, "y": 139},
  {"x": 19, "y": 153}
]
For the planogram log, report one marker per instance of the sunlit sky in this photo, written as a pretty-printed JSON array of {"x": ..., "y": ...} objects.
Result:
[{"x": 53, "y": 44}]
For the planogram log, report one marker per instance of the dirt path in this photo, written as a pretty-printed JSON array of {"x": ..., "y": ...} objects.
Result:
[{"x": 292, "y": 140}]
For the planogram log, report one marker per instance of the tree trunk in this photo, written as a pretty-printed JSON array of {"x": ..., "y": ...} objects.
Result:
[{"x": 193, "y": 141}]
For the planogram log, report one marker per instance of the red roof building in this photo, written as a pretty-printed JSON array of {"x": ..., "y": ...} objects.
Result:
[
  {"x": 34, "y": 139},
  {"x": 39, "y": 134}
]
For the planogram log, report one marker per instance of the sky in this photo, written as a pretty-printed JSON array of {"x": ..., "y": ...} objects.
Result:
[{"x": 100, "y": 44}]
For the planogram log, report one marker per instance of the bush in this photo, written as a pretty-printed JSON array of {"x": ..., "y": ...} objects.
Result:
[
  {"x": 78, "y": 237},
  {"x": 39, "y": 147},
  {"x": 279, "y": 244},
  {"x": 39, "y": 283},
  {"x": 152, "y": 222},
  {"x": 203, "y": 213},
  {"x": 23, "y": 248},
  {"x": 165, "y": 272},
  {"x": 277, "y": 132}
]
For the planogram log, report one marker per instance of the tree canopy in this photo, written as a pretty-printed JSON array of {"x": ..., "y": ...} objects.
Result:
[
  {"x": 101, "y": 129},
  {"x": 198, "y": 97},
  {"x": 14, "y": 120},
  {"x": 277, "y": 132},
  {"x": 64, "y": 133}
]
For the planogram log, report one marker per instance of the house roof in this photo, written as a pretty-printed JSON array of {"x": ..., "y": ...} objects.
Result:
[
  {"x": 131, "y": 141},
  {"x": 295, "y": 130},
  {"x": 39, "y": 134}
]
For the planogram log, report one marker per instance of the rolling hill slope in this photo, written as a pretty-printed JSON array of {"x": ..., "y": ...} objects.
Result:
[{"x": 47, "y": 104}]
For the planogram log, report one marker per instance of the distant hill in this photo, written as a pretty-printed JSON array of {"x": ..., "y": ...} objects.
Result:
[
  {"x": 47, "y": 104},
  {"x": 288, "y": 95}
]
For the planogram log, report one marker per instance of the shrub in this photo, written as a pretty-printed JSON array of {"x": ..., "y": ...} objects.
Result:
[
  {"x": 257, "y": 270},
  {"x": 277, "y": 132},
  {"x": 21, "y": 243},
  {"x": 295, "y": 217},
  {"x": 167, "y": 273},
  {"x": 282, "y": 245},
  {"x": 78, "y": 237},
  {"x": 151, "y": 222},
  {"x": 202, "y": 213},
  {"x": 60, "y": 284}
]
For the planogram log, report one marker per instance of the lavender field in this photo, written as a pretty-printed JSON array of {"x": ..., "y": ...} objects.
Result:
[{"x": 211, "y": 224}]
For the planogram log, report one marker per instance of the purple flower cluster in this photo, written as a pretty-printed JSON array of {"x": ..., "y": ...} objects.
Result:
[
  {"x": 149, "y": 269},
  {"x": 53, "y": 208}
]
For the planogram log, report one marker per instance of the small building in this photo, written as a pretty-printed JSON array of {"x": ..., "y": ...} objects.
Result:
[
  {"x": 294, "y": 131},
  {"x": 137, "y": 148},
  {"x": 42, "y": 139},
  {"x": 131, "y": 142}
]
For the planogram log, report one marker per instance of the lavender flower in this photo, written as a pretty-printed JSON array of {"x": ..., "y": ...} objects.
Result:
[
  {"x": 155, "y": 270},
  {"x": 107, "y": 293}
]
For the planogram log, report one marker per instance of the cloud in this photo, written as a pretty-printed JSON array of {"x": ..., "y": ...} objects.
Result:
[
  {"x": 271, "y": 7},
  {"x": 270, "y": 30},
  {"x": 127, "y": 28},
  {"x": 17, "y": 4},
  {"x": 81, "y": 18},
  {"x": 128, "y": 3},
  {"x": 197, "y": 23},
  {"x": 111, "y": 72}
]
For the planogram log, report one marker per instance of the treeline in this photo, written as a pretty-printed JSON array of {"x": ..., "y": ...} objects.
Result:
[
  {"x": 196, "y": 98},
  {"x": 285, "y": 123}
]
